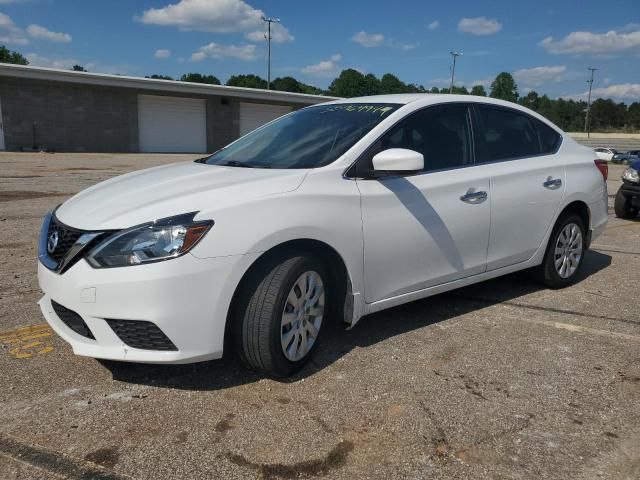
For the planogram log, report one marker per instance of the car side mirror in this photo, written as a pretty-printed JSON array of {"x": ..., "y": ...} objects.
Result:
[{"x": 398, "y": 160}]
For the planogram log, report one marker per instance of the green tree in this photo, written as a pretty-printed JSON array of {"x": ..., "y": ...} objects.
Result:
[
  {"x": 199, "y": 78},
  {"x": 530, "y": 100},
  {"x": 389, "y": 83},
  {"x": 545, "y": 108},
  {"x": 478, "y": 90},
  {"x": 290, "y": 84},
  {"x": 8, "y": 56},
  {"x": 504, "y": 87},
  {"x": 415, "y": 88},
  {"x": 287, "y": 84},
  {"x": 633, "y": 116},
  {"x": 371, "y": 85},
  {"x": 459, "y": 90},
  {"x": 247, "y": 81},
  {"x": 78, "y": 68},
  {"x": 434, "y": 90},
  {"x": 350, "y": 83},
  {"x": 158, "y": 77}
]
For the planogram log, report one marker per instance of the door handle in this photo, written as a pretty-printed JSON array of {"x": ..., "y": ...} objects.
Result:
[
  {"x": 474, "y": 197},
  {"x": 552, "y": 183}
]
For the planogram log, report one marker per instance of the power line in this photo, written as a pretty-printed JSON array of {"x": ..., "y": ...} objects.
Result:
[
  {"x": 587, "y": 119},
  {"x": 268, "y": 37},
  {"x": 453, "y": 69}
]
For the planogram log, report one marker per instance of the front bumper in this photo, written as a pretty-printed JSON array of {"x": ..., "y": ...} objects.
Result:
[
  {"x": 187, "y": 298},
  {"x": 630, "y": 189}
]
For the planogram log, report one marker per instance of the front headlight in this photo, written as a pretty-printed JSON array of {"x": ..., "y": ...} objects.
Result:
[
  {"x": 631, "y": 175},
  {"x": 151, "y": 242}
]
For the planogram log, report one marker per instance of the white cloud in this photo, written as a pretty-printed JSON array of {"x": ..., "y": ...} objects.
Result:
[
  {"x": 216, "y": 50},
  {"x": 279, "y": 34},
  {"x": 479, "y": 26},
  {"x": 433, "y": 25},
  {"x": 538, "y": 75},
  {"x": 623, "y": 91},
  {"x": 216, "y": 16},
  {"x": 41, "y": 33},
  {"x": 629, "y": 91},
  {"x": 325, "y": 68},
  {"x": 42, "y": 61},
  {"x": 10, "y": 33},
  {"x": 162, "y": 53},
  {"x": 368, "y": 39},
  {"x": 593, "y": 43}
]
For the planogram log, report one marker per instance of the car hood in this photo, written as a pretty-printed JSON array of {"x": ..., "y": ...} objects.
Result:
[
  {"x": 635, "y": 164},
  {"x": 160, "y": 192}
]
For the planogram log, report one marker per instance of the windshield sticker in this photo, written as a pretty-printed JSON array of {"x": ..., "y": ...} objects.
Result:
[{"x": 382, "y": 110}]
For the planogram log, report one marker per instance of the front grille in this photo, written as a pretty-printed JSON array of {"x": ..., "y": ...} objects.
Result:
[
  {"x": 72, "y": 320},
  {"x": 66, "y": 238},
  {"x": 141, "y": 334}
]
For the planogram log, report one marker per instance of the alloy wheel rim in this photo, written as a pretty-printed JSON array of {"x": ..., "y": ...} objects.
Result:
[
  {"x": 302, "y": 316},
  {"x": 568, "y": 251}
]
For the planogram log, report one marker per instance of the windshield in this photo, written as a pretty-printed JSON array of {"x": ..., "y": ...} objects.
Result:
[{"x": 309, "y": 138}]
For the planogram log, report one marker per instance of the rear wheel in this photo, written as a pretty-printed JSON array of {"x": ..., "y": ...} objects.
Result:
[
  {"x": 281, "y": 314},
  {"x": 565, "y": 252},
  {"x": 623, "y": 208}
]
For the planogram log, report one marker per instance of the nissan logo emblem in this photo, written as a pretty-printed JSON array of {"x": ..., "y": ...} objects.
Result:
[{"x": 52, "y": 241}]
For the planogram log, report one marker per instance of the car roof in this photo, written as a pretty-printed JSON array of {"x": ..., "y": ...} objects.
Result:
[
  {"x": 426, "y": 99},
  {"x": 407, "y": 98}
]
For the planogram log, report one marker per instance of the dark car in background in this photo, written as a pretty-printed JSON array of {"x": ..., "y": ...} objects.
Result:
[
  {"x": 625, "y": 158},
  {"x": 627, "y": 203}
]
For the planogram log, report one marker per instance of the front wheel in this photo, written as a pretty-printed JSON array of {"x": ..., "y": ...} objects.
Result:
[
  {"x": 565, "y": 252},
  {"x": 623, "y": 208},
  {"x": 281, "y": 314}
]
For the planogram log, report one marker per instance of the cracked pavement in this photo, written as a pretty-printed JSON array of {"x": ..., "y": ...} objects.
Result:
[{"x": 503, "y": 379}]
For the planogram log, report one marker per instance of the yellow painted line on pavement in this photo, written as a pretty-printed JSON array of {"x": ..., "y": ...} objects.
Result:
[{"x": 23, "y": 343}]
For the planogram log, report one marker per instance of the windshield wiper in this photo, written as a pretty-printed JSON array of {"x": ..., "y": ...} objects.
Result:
[
  {"x": 235, "y": 163},
  {"x": 201, "y": 160}
]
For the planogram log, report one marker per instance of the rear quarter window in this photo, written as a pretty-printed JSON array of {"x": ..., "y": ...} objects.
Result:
[{"x": 549, "y": 138}]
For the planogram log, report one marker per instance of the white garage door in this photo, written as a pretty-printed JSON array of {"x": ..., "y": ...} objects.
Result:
[
  {"x": 254, "y": 115},
  {"x": 172, "y": 124}
]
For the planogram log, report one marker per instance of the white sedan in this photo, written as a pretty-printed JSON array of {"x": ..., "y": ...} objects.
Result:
[
  {"x": 604, "y": 153},
  {"x": 329, "y": 213}
]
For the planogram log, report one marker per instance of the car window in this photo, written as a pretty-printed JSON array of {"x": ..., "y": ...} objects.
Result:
[
  {"x": 309, "y": 138},
  {"x": 507, "y": 134},
  {"x": 549, "y": 138},
  {"x": 441, "y": 134},
  {"x": 600, "y": 150}
]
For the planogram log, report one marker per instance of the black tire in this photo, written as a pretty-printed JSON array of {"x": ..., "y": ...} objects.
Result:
[
  {"x": 259, "y": 311},
  {"x": 623, "y": 208},
  {"x": 546, "y": 273}
]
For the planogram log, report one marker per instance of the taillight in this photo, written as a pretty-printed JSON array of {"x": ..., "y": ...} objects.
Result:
[{"x": 603, "y": 166}]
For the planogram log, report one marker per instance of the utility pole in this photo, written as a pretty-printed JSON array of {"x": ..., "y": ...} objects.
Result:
[
  {"x": 453, "y": 69},
  {"x": 269, "y": 21},
  {"x": 587, "y": 119}
]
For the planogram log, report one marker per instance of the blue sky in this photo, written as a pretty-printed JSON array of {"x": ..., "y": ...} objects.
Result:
[{"x": 547, "y": 45}]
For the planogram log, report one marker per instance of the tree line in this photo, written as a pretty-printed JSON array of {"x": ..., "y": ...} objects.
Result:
[{"x": 567, "y": 114}]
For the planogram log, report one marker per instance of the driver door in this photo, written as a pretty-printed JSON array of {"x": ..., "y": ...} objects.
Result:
[{"x": 428, "y": 228}]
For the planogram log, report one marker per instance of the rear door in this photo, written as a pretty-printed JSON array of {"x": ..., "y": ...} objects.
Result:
[{"x": 527, "y": 181}]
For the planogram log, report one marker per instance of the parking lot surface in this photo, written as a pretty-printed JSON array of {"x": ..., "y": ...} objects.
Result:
[{"x": 503, "y": 379}]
